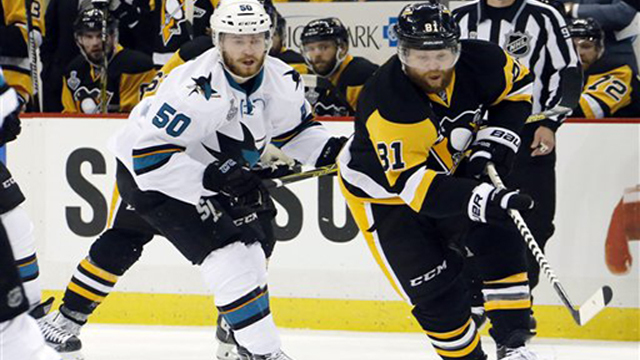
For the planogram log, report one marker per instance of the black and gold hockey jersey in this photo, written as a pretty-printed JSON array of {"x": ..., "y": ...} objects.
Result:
[
  {"x": 399, "y": 154},
  {"x": 611, "y": 89},
  {"x": 128, "y": 72},
  {"x": 338, "y": 94},
  {"x": 14, "y": 53},
  {"x": 199, "y": 45},
  {"x": 171, "y": 27}
]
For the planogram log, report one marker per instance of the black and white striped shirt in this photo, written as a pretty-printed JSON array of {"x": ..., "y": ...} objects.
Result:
[{"x": 535, "y": 34}]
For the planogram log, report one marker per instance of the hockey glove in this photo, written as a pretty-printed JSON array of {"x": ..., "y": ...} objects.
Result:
[
  {"x": 230, "y": 178},
  {"x": 11, "y": 128},
  {"x": 330, "y": 151},
  {"x": 495, "y": 144},
  {"x": 489, "y": 204}
]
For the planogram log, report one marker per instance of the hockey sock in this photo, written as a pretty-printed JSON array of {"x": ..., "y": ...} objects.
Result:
[
  {"x": 508, "y": 305},
  {"x": 462, "y": 342},
  {"x": 237, "y": 276},
  {"x": 20, "y": 232},
  {"x": 88, "y": 287}
]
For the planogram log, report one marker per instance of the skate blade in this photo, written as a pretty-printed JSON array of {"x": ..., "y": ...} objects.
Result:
[{"x": 73, "y": 355}]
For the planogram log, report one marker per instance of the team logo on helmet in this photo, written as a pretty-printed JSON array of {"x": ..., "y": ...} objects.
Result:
[{"x": 517, "y": 44}]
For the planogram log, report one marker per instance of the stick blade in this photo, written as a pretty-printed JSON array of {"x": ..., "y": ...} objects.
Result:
[{"x": 596, "y": 303}]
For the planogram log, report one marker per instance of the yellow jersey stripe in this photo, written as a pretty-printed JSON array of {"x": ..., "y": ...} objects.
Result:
[{"x": 113, "y": 206}]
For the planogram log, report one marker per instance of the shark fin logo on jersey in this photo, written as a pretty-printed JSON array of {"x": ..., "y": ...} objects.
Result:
[
  {"x": 243, "y": 150},
  {"x": 517, "y": 44},
  {"x": 202, "y": 86},
  {"x": 295, "y": 76}
]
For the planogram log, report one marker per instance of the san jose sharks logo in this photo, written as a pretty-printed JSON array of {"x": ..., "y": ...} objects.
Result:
[
  {"x": 246, "y": 150},
  {"x": 203, "y": 87},
  {"x": 295, "y": 76}
]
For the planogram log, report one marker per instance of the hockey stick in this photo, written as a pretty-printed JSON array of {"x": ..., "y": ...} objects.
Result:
[
  {"x": 105, "y": 61},
  {"x": 293, "y": 178},
  {"x": 596, "y": 303},
  {"x": 189, "y": 8},
  {"x": 36, "y": 99}
]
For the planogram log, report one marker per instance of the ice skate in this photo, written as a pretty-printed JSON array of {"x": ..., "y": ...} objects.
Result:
[
  {"x": 60, "y": 332},
  {"x": 227, "y": 345},
  {"x": 521, "y": 353},
  {"x": 279, "y": 355}
]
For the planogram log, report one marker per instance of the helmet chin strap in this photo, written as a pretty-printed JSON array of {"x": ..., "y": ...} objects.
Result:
[{"x": 98, "y": 63}]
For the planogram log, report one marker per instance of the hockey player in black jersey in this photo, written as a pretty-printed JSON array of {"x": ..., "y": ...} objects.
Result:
[
  {"x": 338, "y": 76},
  {"x": 127, "y": 70},
  {"x": 405, "y": 168},
  {"x": 611, "y": 88}
]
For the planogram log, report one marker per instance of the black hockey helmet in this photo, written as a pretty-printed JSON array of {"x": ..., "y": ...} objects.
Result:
[
  {"x": 427, "y": 26},
  {"x": 587, "y": 29},
  {"x": 325, "y": 29},
  {"x": 91, "y": 20}
]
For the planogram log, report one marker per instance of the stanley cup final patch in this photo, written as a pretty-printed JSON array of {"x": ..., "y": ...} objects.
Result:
[{"x": 517, "y": 44}]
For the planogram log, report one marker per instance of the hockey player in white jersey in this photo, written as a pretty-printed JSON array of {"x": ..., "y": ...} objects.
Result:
[
  {"x": 20, "y": 337},
  {"x": 184, "y": 158}
]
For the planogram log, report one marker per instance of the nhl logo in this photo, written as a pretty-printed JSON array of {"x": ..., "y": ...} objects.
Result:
[
  {"x": 15, "y": 297},
  {"x": 517, "y": 44}
]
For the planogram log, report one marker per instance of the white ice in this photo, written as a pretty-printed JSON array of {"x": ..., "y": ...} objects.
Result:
[{"x": 119, "y": 342}]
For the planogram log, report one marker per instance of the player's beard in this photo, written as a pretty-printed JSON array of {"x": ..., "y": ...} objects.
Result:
[
  {"x": 324, "y": 68},
  {"x": 241, "y": 68},
  {"x": 427, "y": 81},
  {"x": 432, "y": 85}
]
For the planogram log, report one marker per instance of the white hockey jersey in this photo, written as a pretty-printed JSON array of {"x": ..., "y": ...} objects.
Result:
[{"x": 200, "y": 114}]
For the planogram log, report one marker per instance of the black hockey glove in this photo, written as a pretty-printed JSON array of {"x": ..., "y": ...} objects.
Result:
[
  {"x": 230, "y": 178},
  {"x": 489, "y": 204},
  {"x": 495, "y": 144},
  {"x": 11, "y": 128},
  {"x": 330, "y": 151}
]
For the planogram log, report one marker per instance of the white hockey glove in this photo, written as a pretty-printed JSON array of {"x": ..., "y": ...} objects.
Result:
[{"x": 489, "y": 204}]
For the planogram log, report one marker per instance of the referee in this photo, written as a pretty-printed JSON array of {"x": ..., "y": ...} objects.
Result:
[{"x": 535, "y": 33}]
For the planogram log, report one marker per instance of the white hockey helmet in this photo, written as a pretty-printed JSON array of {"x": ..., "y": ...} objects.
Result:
[{"x": 240, "y": 17}]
